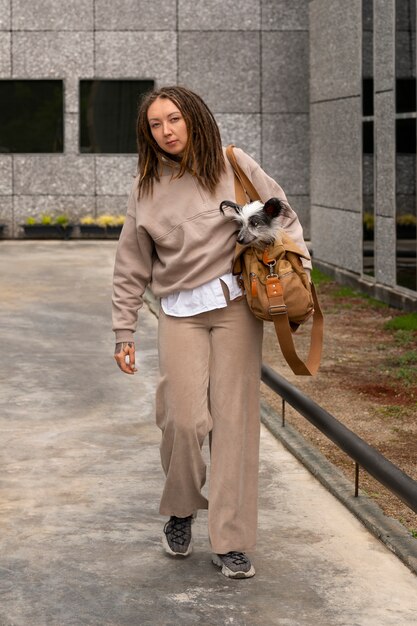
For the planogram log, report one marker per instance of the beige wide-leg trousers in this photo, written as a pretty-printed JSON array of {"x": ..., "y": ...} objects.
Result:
[{"x": 210, "y": 382}]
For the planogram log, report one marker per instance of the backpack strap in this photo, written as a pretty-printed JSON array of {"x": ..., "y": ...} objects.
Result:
[
  {"x": 243, "y": 185},
  {"x": 284, "y": 335}
]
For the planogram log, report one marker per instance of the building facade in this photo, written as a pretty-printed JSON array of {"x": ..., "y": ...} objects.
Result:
[
  {"x": 363, "y": 144},
  {"x": 321, "y": 92}
]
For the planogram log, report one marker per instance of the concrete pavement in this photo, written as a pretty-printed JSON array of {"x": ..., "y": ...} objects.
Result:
[{"x": 80, "y": 483}]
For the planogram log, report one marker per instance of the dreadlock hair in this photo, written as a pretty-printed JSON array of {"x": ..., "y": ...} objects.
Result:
[{"x": 203, "y": 154}]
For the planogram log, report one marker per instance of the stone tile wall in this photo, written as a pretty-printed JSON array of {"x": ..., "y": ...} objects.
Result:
[{"x": 248, "y": 60}]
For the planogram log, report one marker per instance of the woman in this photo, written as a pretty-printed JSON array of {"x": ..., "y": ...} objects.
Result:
[{"x": 176, "y": 239}]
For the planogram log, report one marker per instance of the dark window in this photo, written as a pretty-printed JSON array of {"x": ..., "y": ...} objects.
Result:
[
  {"x": 405, "y": 136},
  {"x": 405, "y": 95},
  {"x": 31, "y": 116},
  {"x": 368, "y": 96},
  {"x": 108, "y": 110}
]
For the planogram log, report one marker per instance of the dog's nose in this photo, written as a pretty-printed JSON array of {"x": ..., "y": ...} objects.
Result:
[{"x": 244, "y": 239}]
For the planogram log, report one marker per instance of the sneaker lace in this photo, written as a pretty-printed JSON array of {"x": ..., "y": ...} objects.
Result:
[
  {"x": 178, "y": 529},
  {"x": 238, "y": 558}
]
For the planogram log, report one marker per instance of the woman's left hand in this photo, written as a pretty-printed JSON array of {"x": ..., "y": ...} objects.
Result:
[{"x": 123, "y": 350}]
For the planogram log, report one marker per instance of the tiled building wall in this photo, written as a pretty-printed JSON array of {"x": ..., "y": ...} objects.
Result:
[
  {"x": 248, "y": 60},
  {"x": 337, "y": 179}
]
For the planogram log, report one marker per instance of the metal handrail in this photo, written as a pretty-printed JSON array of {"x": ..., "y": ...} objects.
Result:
[{"x": 378, "y": 466}]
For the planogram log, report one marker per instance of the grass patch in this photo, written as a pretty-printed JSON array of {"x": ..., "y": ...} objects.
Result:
[
  {"x": 319, "y": 277},
  {"x": 390, "y": 411},
  {"x": 402, "y": 322},
  {"x": 347, "y": 292},
  {"x": 404, "y": 338},
  {"x": 405, "y": 366}
]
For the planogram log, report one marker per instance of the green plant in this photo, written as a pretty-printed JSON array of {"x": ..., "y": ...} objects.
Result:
[
  {"x": 87, "y": 220},
  {"x": 104, "y": 221},
  {"x": 46, "y": 219},
  {"x": 368, "y": 221},
  {"x": 408, "y": 219},
  {"x": 62, "y": 220}
]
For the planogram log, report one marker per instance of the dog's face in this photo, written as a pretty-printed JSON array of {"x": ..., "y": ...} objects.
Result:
[{"x": 258, "y": 222}]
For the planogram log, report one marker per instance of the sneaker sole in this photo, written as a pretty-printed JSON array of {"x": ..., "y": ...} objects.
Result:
[
  {"x": 230, "y": 573},
  {"x": 171, "y": 552}
]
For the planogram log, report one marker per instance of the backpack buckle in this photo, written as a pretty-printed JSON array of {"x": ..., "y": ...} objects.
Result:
[{"x": 277, "y": 309}]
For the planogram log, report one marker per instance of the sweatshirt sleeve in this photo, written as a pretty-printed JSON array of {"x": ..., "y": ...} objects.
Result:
[
  {"x": 268, "y": 188},
  {"x": 132, "y": 273}
]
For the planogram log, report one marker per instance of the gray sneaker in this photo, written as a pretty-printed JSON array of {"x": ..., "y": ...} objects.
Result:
[
  {"x": 177, "y": 536},
  {"x": 234, "y": 564}
]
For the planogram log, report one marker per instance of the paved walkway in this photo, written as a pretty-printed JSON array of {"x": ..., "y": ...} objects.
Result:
[{"x": 80, "y": 482}]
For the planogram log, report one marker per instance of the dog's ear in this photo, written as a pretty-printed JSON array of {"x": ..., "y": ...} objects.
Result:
[
  {"x": 273, "y": 207},
  {"x": 229, "y": 203}
]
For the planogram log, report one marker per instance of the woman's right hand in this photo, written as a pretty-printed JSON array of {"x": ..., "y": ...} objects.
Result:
[{"x": 123, "y": 350}]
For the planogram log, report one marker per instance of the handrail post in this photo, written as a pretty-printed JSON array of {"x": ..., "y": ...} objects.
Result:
[{"x": 356, "y": 479}]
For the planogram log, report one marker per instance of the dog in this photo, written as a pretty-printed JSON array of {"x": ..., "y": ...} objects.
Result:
[{"x": 258, "y": 223}]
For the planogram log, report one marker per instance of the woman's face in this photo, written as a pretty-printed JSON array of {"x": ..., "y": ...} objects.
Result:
[{"x": 168, "y": 126}]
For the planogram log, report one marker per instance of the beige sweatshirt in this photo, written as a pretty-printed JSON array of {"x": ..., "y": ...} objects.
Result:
[{"x": 178, "y": 239}]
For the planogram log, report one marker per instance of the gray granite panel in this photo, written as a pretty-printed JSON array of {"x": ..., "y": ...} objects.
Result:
[
  {"x": 385, "y": 270},
  {"x": 385, "y": 153},
  {"x": 5, "y": 14},
  {"x": 114, "y": 174},
  {"x": 54, "y": 175},
  {"x": 335, "y": 49},
  {"x": 35, "y": 205},
  {"x": 243, "y": 130},
  {"x": 284, "y": 14},
  {"x": 71, "y": 93},
  {"x": 114, "y": 205},
  {"x": 6, "y": 175},
  {"x": 336, "y": 154},
  {"x": 71, "y": 134},
  {"x": 219, "y": 15},
  {"x": 285, "y": 72},
  {"x": 384, "y": 34},
  {"x": 52, "y": 15},
  {"x": 135, "y": 15},
  {"x": 301, "y": 205},
  {"x": 147, "y": 55},
  {"x": 223, "y": 67},
  {"x": 6, "y": 215},
  {"x": 5, "y": 56},
  {"x": 337, "y": 237},
  {"x": 285, "y": 151},
  {"x": 52, "y": 54}
]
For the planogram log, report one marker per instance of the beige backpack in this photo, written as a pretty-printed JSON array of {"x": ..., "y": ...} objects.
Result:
[{"x": 277, "y": 287}]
